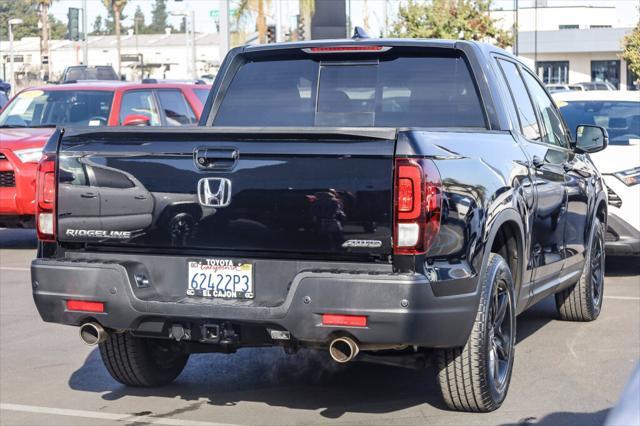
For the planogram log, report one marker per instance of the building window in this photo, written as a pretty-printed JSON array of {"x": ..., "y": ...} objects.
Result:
[
  {"x": 569, "y": 27},
  {"x": 553, "y": 72},
  {"x": 633, "y": 80},
  {"x": 600, "y": 26},
  {"x": 606, "y": 71}
]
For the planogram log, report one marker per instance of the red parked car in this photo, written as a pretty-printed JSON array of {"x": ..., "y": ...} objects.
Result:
[{"x": 28, "y": 120}]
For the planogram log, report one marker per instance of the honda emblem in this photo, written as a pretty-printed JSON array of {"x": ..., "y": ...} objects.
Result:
[{"x": 214, "y": 192}]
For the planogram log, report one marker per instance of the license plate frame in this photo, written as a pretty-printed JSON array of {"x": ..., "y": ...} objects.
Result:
[{"x": 220, "y": 278}]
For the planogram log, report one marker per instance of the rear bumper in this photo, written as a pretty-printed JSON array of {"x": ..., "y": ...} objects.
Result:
[
  {"x": 401, "y": 308},
  {"x": 622, "y": 239}
]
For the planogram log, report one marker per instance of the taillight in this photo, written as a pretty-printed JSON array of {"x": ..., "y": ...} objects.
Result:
[
  {"x": 348, "y": 48},
  {"x": 418, "y": 204},
  {"x": 46, "y": 198}
]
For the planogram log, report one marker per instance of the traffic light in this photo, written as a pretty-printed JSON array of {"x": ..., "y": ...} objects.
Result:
[
  {"x": 73, "y": 32},
  {"x": 271, "y": 34},
  {"x": 300, "y": 27}
]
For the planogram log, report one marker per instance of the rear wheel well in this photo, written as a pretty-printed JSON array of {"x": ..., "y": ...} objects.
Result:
[{"x": 508, "y": 244}]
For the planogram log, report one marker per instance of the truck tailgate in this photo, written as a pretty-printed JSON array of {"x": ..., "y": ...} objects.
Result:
[{"x": 265, "y": 191}]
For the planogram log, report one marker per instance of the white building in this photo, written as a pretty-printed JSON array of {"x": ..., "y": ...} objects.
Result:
[
  {"x": 572, "y": 44},
  {"x": 163, "y": 55}
]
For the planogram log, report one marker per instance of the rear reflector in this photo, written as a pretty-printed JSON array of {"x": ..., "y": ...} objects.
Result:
[
  {"x": 344, "y": 320},
  {"x": 85, "y": 306}
]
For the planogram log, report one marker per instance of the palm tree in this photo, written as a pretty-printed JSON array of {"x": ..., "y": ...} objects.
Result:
[
  {"x": 116, "y": 6},
  {"x": 44, "y": 40},
  {"x": 246, "y": 7},
  {"x": 307, "y": 9}
]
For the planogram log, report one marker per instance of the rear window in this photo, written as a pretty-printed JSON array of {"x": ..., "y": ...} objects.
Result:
[
  {"x": 395, "y": 92},
  {"x": 91, "y": 73}
]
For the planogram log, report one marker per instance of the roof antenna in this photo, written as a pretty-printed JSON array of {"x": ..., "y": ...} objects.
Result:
[{"x": 359, "y": 33}]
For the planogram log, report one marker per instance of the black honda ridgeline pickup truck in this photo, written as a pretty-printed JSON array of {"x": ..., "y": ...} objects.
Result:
[{"x": 394, "y": 201}]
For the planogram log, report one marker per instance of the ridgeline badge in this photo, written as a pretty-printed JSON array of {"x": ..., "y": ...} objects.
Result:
[{"x": 97, "y": 233}]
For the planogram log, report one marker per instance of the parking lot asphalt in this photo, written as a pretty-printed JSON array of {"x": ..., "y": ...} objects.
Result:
[{"x": 565, "y": 373}]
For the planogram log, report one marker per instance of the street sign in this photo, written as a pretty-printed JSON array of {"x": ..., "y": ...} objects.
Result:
[
  {"x": 214, "y": 13},
  {"x": 45, "y": 59},
  {"x": 130, "y": 57}
]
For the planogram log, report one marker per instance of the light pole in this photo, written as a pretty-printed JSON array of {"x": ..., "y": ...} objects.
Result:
[
  {"x": 11, "y": 22},
  {"x": 185, "y": 16},
  {"x": 190, "y": 34},
  {"x": 85, "y": 39}
]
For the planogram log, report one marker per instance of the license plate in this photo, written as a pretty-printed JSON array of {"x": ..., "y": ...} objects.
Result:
[{"x": 220, "y": 278}]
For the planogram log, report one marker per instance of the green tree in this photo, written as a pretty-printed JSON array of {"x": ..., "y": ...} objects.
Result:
[
  {"x": 631, "y": 50},
  {"x": 98, "y": 28},
  {"x": 138, "y": 22},
  {"x": 450, "y": 19},
  {"x": 159, "y": 17},
  {"x": 27, "y": 10}
]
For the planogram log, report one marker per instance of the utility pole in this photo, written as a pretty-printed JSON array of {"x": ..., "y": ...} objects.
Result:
[
  {"x": 46, "y": 59},
  {"x": 12, "y": 80},
  {"x": 136, "y": 22},
  {"x": 224, "y": 28},
  {"x": 515, "y": 28},
  {"x": 85, "y": 38},
  {"x": 194, "y": 70}
]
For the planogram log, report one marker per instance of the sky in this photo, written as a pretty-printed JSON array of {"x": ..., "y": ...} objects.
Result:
[{"x": 627, "y": 10}]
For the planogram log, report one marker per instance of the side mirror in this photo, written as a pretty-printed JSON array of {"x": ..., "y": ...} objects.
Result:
[
  {"x": 136, "y": 120},
  {"x": 123, "y": 77},
  {"x": 590, "y": 139}
]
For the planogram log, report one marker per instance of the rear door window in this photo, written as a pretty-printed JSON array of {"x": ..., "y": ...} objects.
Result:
[
  {"x": 398, "y": 91},
  {"x": 140, "y": 102},
  {"x": 521, "y": 101},
  {"x": 176, "y": 110}
]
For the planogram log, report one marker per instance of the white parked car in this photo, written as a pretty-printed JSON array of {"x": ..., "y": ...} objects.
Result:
[{"x": 619, "y": 113}]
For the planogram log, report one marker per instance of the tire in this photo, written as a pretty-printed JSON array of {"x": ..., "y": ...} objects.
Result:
[
  {"x": 140, "y": 362},
  {"x": 476, "y": 377},
  {"x": 583, "y": 300}
]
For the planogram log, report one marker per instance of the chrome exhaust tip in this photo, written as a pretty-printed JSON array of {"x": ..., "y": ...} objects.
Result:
[
  {"x": 92, "y": 333},
  {"x": 343, "y": 349}
]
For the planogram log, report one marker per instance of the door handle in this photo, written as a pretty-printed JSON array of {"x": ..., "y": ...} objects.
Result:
[
  {"x": 537, "y": 162},
  {"x": 89, "y": 195},
  {"x": 140, "y": 197},
  {"x": 216, "y": 158}
]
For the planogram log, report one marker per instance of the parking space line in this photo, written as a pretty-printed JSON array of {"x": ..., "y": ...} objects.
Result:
[
  {"x": 622, "y": 297},
  {"x": 12, "y": 268},
  {"x": 105, "y": 416}
]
